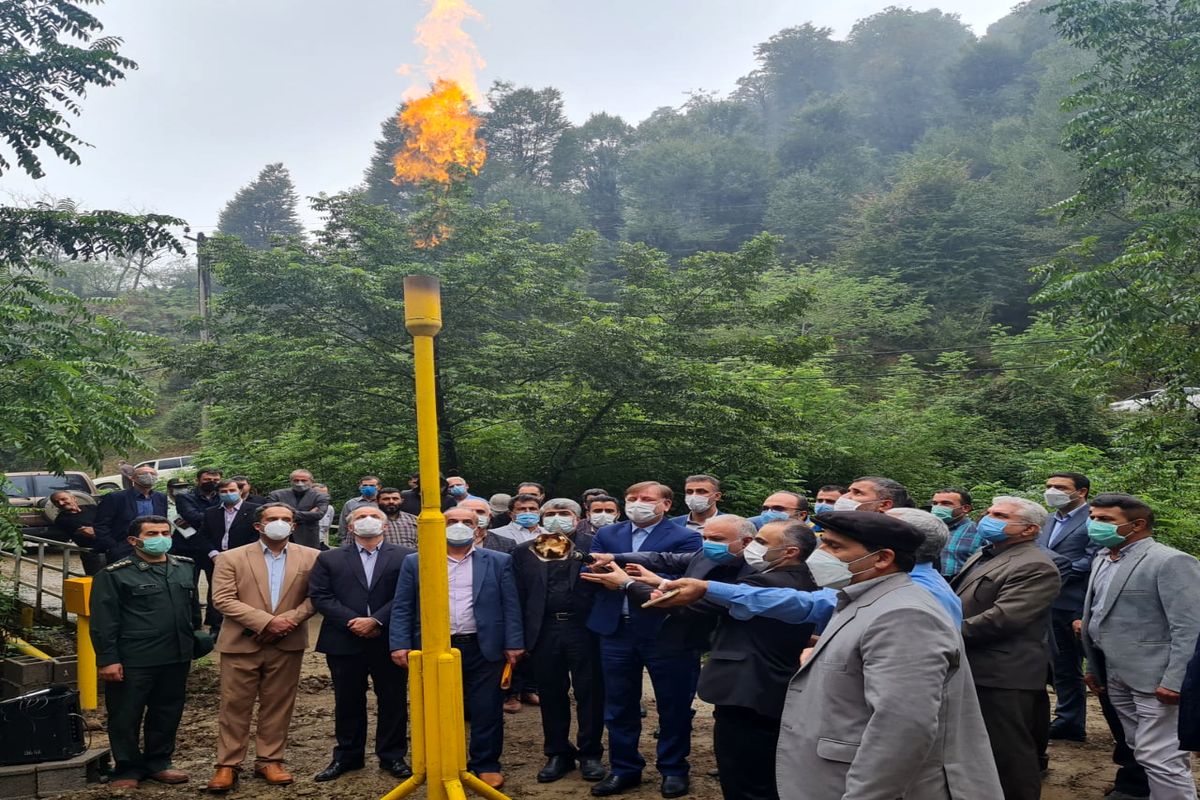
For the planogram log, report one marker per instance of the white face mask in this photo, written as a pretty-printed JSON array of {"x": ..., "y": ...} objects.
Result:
[
  {"x": 483, "y": 520},
  {"x": 698, "y": 503},
  {"x": 639, "y": 511},
  {"x": 368, "y": 527},
  {"x": 756, "y": 556},
  {"x": 830, "y": 572},
  {"x": 602, "y": 518},
  {"x": 278, "y": 529},
  {"x": 460, "y": 534},
  {"x": 1056, "y": 498},
  {"x": 844, "y": 503},
  {"x": 558, "y": 524}
]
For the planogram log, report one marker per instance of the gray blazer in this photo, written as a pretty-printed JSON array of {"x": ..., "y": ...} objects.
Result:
[
  {"x": 885, "y": 707},
  {"x": 1151, "y": 618},
  {"x": 1006, "y": 609},
  {"x": 308, "y": 520}
]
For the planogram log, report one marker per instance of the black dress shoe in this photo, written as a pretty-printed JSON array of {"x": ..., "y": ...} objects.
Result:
[
  {"x": 398, "y": 768},
  {"x": 556, "y": 768},
  {"x": 615, "y": 784},
  {"x": 336, "y": 769},
  {"x": 674, "y": 785},
  {"x": 1063, "y": 733},
  {"x": 592, "y": 769}
]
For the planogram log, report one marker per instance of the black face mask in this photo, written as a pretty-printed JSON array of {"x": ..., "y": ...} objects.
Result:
[
  {"x": 208, "y": 486},
  {"x": 389, "y": 508}
]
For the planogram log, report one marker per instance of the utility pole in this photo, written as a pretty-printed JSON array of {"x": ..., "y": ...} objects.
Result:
[{"x": 204, "y": 283}]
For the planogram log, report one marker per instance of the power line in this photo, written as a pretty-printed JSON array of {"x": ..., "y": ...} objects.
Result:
[
  {"x": 910, "y": 373},
  {"x": 952, "y": 348}
]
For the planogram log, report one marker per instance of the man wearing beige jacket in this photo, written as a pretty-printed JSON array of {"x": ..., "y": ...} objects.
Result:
[{"x": 262, "y": 591}]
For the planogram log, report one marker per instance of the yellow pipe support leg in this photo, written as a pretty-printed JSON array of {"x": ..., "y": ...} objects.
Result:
[
  {"x": 480, "y": 788},
  {"x": 416, "y": 719},
  {"x": 29, "y": 650},
  {"x": 89, "y": 693}
]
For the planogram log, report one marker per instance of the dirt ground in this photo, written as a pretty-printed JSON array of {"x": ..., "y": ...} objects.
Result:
[{"x": 1077, "y": 771}]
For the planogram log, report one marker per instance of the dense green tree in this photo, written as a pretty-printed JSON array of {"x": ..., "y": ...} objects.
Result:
[
  {"x": 51, "y": 56},
  {"x": 793, "y": 65},
  {"x": 587, "y": 161},
  {"x": 523, "y": 128},
  {"x": 1133, "y": 135},
  {"x": 263, "y": 210}
]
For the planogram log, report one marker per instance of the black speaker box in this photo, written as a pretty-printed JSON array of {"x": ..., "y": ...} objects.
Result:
[{"x": 45, "y": 725}]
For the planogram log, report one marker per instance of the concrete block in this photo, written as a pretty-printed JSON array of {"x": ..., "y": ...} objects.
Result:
[
  {"x": 18, "y": 782},
  {"x": 28, "y": 670},
  {"x": 65, "y": 669},
  {"x": 9, "y": 690},
  {"x": 59, "y": 777}
]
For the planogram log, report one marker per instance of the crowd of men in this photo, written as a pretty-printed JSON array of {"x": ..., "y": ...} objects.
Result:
[{"x": 859, "y": 647}]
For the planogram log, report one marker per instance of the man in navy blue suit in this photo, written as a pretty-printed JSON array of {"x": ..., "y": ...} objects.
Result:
[
  {"x": 630, "y": 642},
  {"x": 117, "y": 509},
  {"x": 353, "y": 588},
  {"x": 485, "y": 625}
]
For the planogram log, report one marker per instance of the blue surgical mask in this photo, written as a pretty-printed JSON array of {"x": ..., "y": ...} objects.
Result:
[
  {"x": 717, "y": 551},
  {"x": 944, "y": 513},
  {"x": 822, "y": 508},
  {"x": 368, "y": 491},
  {"x": 993, "y": 530},
  {"x": 773, "y": 516},
  {"x": 155, "y": 545},
  {"x": 1105, "y": 534},
  {"x": 458, "y": 490},
  {"x": 230, "y": 498},
  {"x": 526, "y": 519}
]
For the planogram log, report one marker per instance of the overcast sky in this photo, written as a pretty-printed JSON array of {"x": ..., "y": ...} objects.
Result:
[{"x": 226, "y": 86}]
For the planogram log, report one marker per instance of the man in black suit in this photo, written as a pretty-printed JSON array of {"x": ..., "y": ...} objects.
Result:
[
  {"x": 191, "y": 505},
  {"x": 353, "y": 588},
  {"x": 227, "y": 525},
  {"x": 118, "y": 509},
  {"x": 309, "y": 504},
  {"x": 565, "y": 655}
]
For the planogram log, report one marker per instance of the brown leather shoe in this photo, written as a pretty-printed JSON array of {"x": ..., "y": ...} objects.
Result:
[
  {"x": 492, "y": 779},
  {"x": 123, "y": 783},
  {"x": 224, "y": 779},
  {"x": 531, "y": 698},
  {"x": 511, "y": 706},
  {"x": 273, "y": 773},
  {"x": 170, "y": 776}
]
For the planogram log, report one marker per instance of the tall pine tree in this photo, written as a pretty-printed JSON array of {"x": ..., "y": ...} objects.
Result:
[{"x": 264, "y": 209}]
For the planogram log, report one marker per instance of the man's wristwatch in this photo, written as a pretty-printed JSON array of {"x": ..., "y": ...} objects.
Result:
[{"x": 625, "y": 586}]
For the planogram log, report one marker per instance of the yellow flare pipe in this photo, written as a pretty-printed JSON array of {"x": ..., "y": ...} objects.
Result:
[{"x": 29, "y": 650}]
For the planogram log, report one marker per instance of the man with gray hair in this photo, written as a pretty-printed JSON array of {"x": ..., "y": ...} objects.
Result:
[
  {"x": 926, "y": 573},
  {"x": 1007, "y": 589},
  {"x": 873, "y": 493}
]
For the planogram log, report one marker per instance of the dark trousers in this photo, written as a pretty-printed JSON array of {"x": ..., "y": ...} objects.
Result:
[
  {"x": 567, "y": 656},
  {"x": 673, "y": 674},
  {"x": 390, "y": 683},
  {"x": 1131, "y": 777},
  {"x": 212, "y": 617},
  {"x": 143, "y": 715},
  {"x": 1070, "y": 710},
  {"x": 484, "y": 701},
  {"x": 744, "y": 744},
  {"x": 1013, "y": 718}
]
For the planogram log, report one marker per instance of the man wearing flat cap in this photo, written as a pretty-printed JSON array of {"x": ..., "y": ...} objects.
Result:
[{"x": 885, "y": 705}]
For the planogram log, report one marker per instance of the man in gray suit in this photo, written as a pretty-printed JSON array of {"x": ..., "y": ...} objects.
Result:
[
  {"x": 1140, "y": 622},
  {"x": 308, "y": 503},
  {"x": 1007, "y": 589},
  {"x": 1064, "y": 537},
  {"x": 884, "y": 707}
]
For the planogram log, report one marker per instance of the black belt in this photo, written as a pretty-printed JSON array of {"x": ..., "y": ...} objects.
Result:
[
  {"x": 561, "y": 616},
  {"x": 456, "y": 638}
]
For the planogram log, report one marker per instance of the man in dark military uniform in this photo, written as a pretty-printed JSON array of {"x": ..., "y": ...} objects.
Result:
[{"x": 146, "y": 630}]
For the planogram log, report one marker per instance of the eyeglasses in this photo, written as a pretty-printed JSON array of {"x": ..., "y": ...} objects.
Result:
[{"x": 784, "y": 509}]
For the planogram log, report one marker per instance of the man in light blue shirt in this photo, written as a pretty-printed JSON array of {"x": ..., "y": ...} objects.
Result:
[
  {"x": 817, "y": 607},
  {"x": 276, "y": 565}
]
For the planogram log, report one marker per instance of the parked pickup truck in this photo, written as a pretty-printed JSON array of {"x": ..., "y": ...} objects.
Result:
[{"x": 27, "y": 492}]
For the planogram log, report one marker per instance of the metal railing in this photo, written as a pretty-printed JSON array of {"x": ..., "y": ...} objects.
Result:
[{"x": 53, "y": 562}]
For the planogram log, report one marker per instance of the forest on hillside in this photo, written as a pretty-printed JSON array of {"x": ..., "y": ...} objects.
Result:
[{"x": 912, "y": 251}]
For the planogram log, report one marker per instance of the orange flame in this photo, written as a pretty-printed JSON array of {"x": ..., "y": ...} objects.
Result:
[
  {"x": 441, "y": 137},
  {"x": 441, "y": 131}
]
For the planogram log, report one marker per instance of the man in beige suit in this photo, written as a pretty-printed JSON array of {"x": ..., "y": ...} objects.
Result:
[{"x": 262, "y": 590}]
